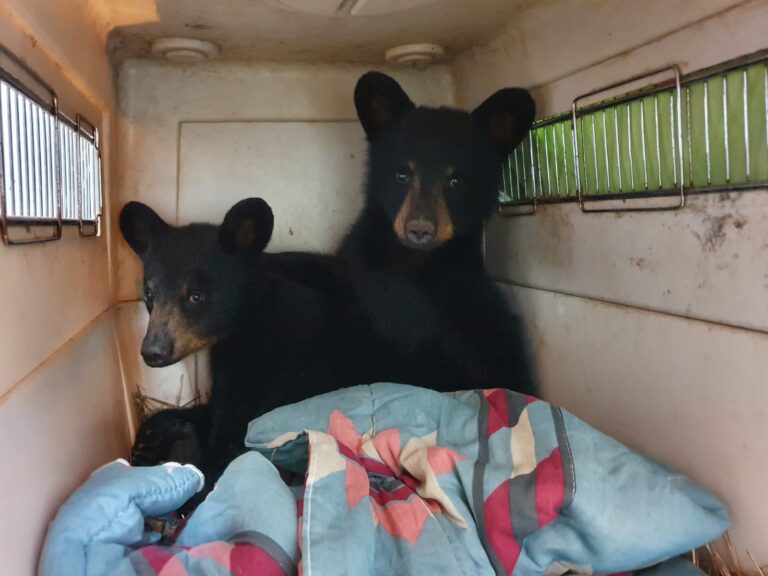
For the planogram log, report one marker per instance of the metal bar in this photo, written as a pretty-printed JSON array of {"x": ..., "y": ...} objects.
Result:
[
  {"x": 30, "y": 150},
  {"x": 21, "y": 205},
  {"x": 4, "y": 158},
  {"x": 706, "y": 134},
  {"x": 57, "y": 140},
  {"x": 49, "y": 159},
  {"x": 540, "y": 187},
  {"x": 575, "y": 142},
  {"x": 657, "y": 130},
  {"x": 679, "y": 93},
  {"x": 594, "y": 149},
  {"x": 15, "y": 200},
  {"x": 73, "y": 176},
  {"x": 746, "y": 128},
  {"x": 82, "y": 176},
  {"x": 21, "y": 86},
  {"x": 618, "y": 147},
  {"x": 690, "y": 129},
  {"x": 64, "y": 169},
  {"x": 91, "y": 212},
  {"x": 672, "y": 135},
  {"x": 565, "y": 156},
  {"x": 546, "y": 156},
  {"x": 507, "y": 174},
  {"x": 517, "y": 174},
  {"x": 577, "y": 168},
  {"x": 533, "y": 166},
  {"x": 66, "y": 166},
  {"x": 504, "y": 178},
  {"x": 43, "y": 152},
  {"x": 642, "y": 138},
  {"x": 100, "y": 180},
  {"x": 583, "y": 197},
  {"x": 43, "y": 162},
  {"x": 728, "y": 66},
  {"x": 725, "y": 131},
  {"x": 6, "y": 152},
  {"x": 629, "y": 149},
  {"x": 523, "y": 170},
  {"x": 38, "y": 166},
  {"x": 28, "y": 131},
  {"x": 631, "y": 95},
  {"x": 605, "y": 149},
  {"x": 557, "y": 169},
  {"x": 575, "y": 150}
]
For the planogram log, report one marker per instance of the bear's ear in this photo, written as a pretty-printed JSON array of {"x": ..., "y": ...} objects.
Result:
[
  {"x": 506, "y": 118},
  {"x": 247, "y": 227},
  {"x": 380, "y": 102},
  {"x": 140, "y": 225}
]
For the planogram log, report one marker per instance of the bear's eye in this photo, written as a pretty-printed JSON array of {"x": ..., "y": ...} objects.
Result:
[
  {"x": 402, "y": 176},
  {"x": 148, "y": 299},
  {"x": 455, "y": 181},
  {"x": 196, "y": 297}
]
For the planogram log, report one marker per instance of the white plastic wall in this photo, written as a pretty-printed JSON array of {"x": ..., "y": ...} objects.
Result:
[
  {"x": 62, "y": 400},
  {"x": 650, "y": 326}
]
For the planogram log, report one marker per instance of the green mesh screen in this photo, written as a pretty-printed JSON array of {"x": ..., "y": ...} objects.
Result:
[{"x": 633, "y": 147}]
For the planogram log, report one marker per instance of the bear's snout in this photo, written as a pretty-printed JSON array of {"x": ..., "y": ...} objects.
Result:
[
  {"x": 419, "y": 232},
  {"x": 157, "y": 349}
]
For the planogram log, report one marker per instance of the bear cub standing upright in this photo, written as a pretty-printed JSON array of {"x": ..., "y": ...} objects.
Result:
[{"x": 415, "y": 252}]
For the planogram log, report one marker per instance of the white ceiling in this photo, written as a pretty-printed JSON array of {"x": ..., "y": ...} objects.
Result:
[{"x": 261, "y": 30}]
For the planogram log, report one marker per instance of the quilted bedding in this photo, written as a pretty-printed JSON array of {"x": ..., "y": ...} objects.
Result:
[{"x": 397, "y": 480}]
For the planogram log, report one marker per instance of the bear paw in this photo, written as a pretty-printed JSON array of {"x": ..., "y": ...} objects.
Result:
[{"x": 166, "y": 437}]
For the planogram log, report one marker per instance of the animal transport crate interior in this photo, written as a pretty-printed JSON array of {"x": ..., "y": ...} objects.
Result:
[{"x": 530, "y": 337}]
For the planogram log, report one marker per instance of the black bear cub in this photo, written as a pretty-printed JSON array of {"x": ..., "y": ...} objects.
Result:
[
  {"x": 415, "y": 251},
  {"x": 273, "y": 341}
]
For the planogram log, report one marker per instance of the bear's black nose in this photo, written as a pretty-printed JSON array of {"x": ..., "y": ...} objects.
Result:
[
  {"x": 156, "y": 352},
  {"x": 419, "y": 232}
]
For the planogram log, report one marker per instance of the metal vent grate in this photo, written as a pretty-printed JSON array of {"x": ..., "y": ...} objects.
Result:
[
  {"x": 50, "y": 166},
  {"x": 29, "y": 160},
  {"x": 704, "y": 132}
]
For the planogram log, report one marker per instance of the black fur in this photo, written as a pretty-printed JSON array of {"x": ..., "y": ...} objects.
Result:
[
  {"x": 433, "y": 301},
  {"x": 274, "y": 340}
]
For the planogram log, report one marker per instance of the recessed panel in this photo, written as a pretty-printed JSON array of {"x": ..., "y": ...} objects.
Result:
[{"x": 310, "y": 173}]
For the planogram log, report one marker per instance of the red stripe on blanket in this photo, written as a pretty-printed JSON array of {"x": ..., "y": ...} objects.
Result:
[
  {"x": 369, "y": 464},
  {"x": 383, "y": 496},
  {"x": 498, "y": 527},
  {"x": 249, "y": 559},
  {"x": 156, "y": 557},
  {"x": 550, "y": 487},
  {"x": 498, "y": 413},
  {"x": 300, "y": 503}
]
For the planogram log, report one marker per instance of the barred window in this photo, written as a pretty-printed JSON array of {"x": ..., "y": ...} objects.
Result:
[{"x": 50, "y": 165}]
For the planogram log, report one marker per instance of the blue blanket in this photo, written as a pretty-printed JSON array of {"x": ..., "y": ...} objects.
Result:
[{"x": 397, "y": 480}]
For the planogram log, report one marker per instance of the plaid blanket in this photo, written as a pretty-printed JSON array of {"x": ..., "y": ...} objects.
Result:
[{"x": 398, "y": 480}]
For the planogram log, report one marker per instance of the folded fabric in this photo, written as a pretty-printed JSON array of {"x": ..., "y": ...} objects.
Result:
[
  {"x": 398, "y": 480},
  {"x": 247, "y": 525},
  {"x": 404, "y": 480}
]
